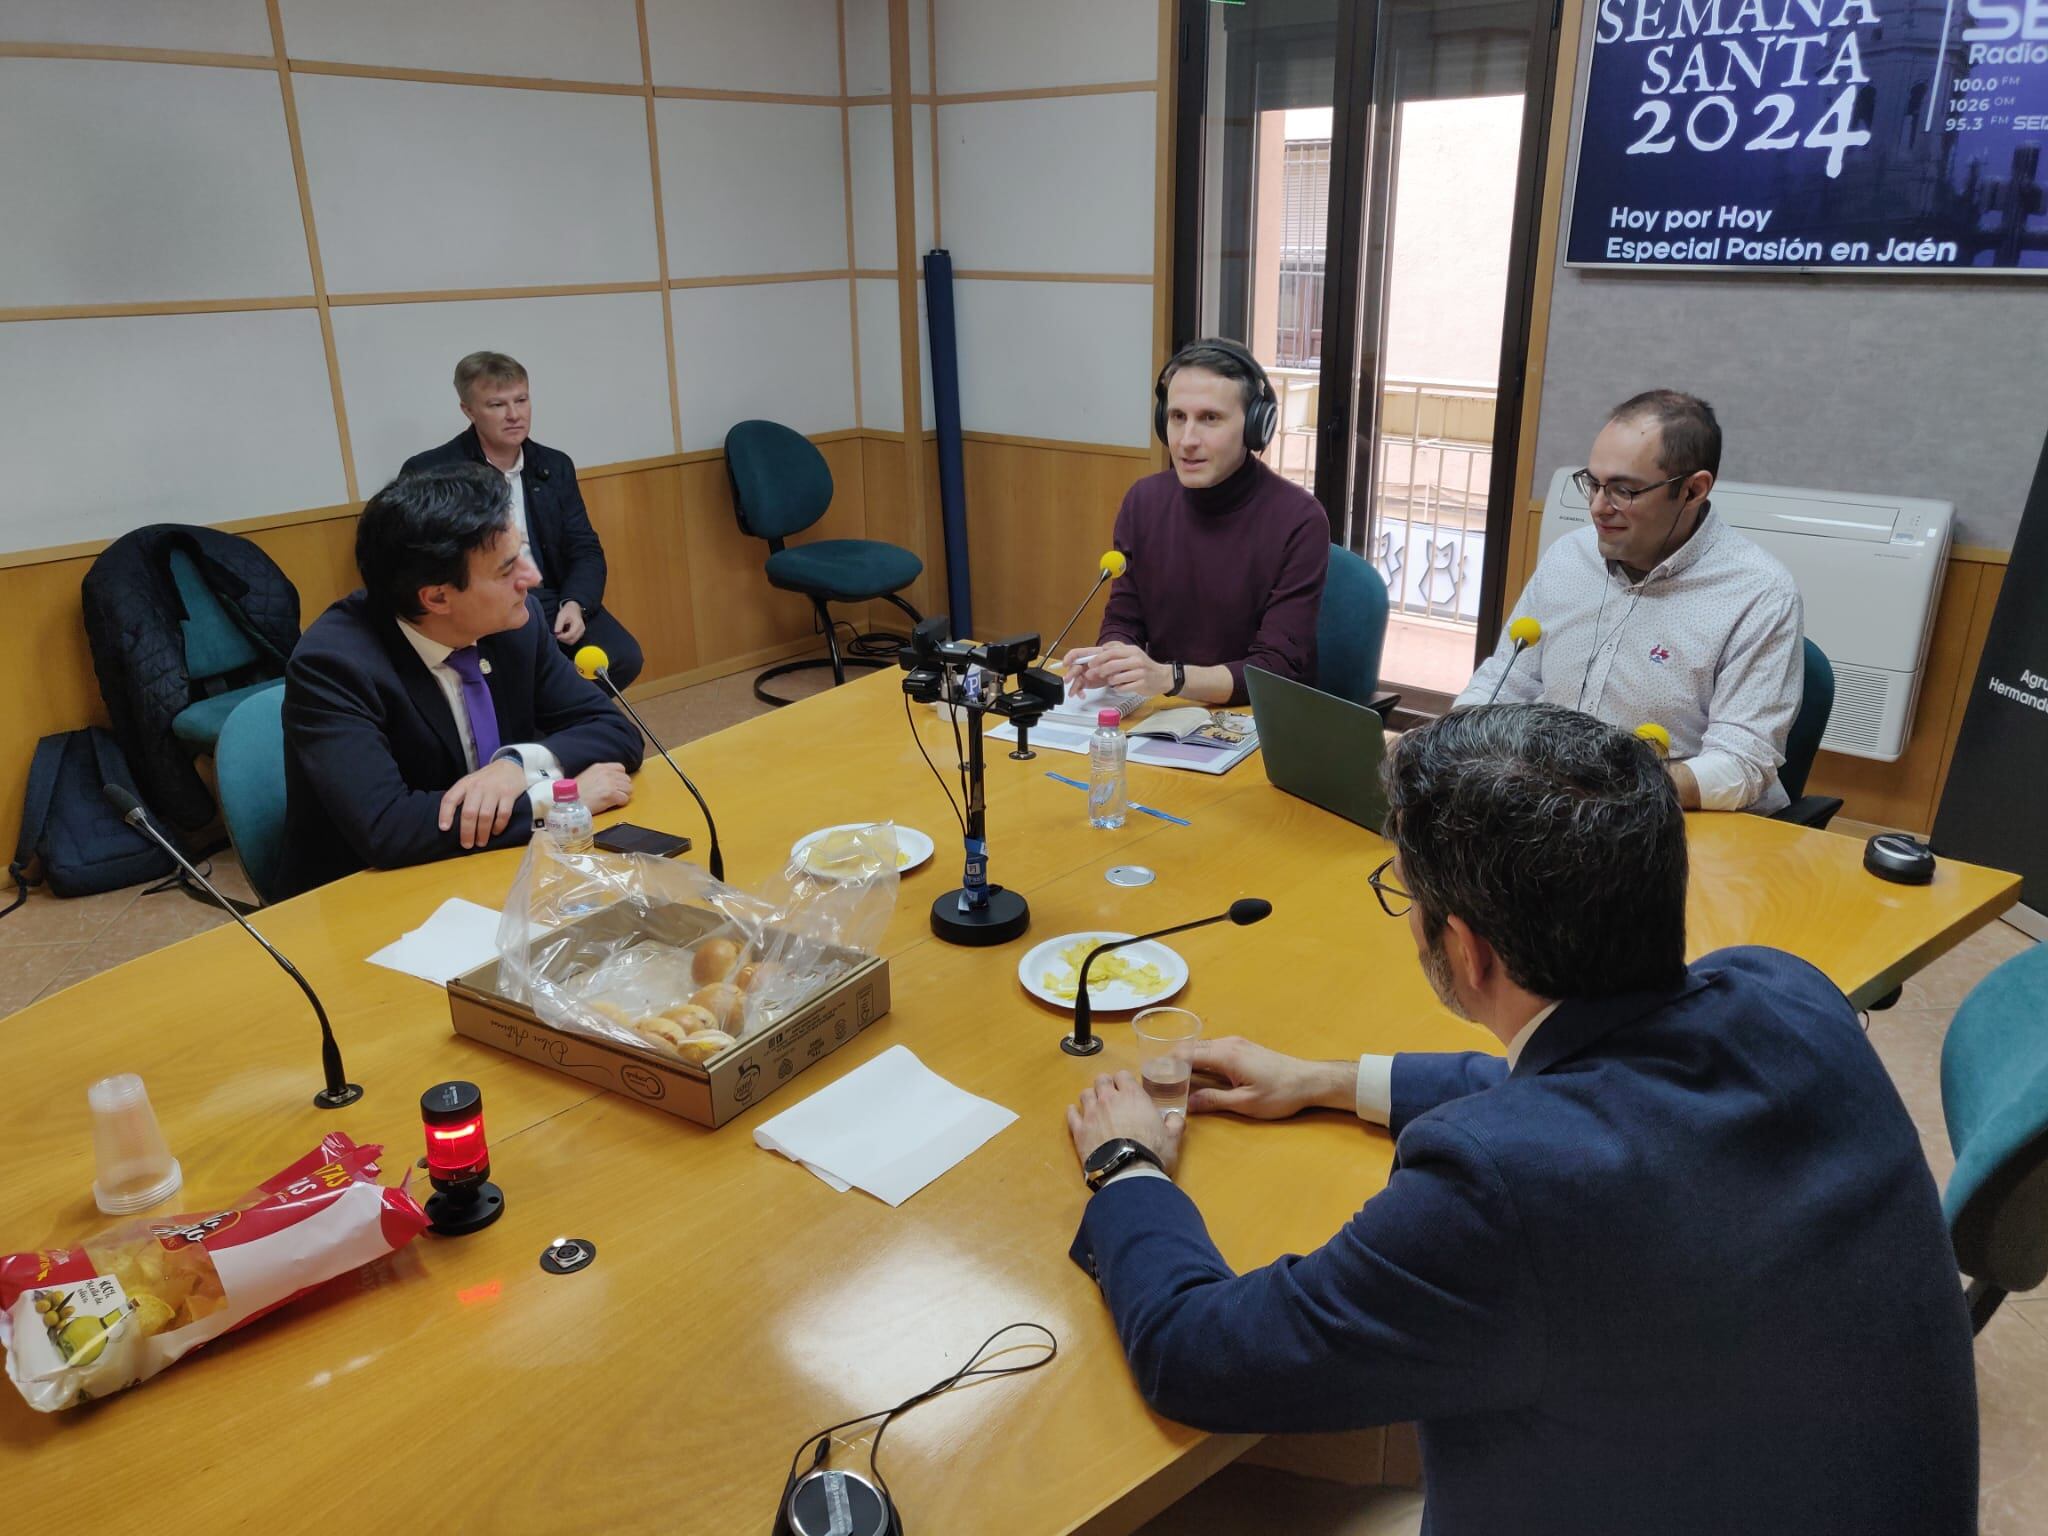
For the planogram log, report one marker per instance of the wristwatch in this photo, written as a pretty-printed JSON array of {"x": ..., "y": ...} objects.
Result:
[
  {"x": 1180, "y": 679},
  {"x": 1113, "y": 1157}
]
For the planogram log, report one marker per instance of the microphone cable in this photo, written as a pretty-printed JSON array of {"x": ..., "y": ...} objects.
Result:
[
  {"x": 911, "y": 720},
  {"x": 822, "y": 1439}
]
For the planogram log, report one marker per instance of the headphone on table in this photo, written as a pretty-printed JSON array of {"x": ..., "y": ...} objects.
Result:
[{"x": 1261, "y": 417}]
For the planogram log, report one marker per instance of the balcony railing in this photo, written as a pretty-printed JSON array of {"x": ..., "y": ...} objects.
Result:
[{"x": 1426, "y": 533}]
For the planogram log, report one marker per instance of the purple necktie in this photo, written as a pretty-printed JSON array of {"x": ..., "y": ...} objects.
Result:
[{"x": 476, "y": 703}]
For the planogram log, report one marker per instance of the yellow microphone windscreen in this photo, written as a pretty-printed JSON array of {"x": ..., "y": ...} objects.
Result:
[
  {"x": 591, "y": 660},
  {"x": 1526, "y": 630},
  {"x": 1114, "y": 563},
  {"x": 1658, "y": 738}
]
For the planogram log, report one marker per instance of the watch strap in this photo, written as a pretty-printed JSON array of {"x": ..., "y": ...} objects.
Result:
[
  {"x": 1180, "y": 679},
  {"x": 1112, "y": 1157}
]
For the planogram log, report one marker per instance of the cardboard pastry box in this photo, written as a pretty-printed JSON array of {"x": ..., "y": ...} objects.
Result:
[{"x": 724, "y": 1087}]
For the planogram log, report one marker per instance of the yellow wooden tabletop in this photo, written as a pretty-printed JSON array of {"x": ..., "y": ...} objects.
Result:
[{"x": 736, "y": 1302}]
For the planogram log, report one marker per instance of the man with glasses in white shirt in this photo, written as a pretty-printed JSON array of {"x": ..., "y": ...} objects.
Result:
[{"x": 1661, "y": 614}]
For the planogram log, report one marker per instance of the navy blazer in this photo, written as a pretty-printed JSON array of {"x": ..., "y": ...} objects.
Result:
[
  {"x": 371, "y": 744},
  {"x": 558, "y": 530},
  {"x": 1683, "y": 1271}
]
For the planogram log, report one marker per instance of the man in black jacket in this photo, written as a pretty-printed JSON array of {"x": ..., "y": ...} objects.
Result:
[
  {"x": 547, "y": 508},
  {"x": 423, "y": 713}
]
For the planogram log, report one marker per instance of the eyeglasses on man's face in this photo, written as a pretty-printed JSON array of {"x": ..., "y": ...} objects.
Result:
[
  {"x": 1619, "y": 497},
  {"x": 1394, "y": 901}
]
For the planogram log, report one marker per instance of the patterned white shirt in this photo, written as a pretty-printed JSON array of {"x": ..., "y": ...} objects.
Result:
[{"x": 1708, "y": 645}]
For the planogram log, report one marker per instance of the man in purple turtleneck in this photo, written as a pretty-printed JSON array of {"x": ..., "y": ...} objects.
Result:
[{"x": 1226, "y": 558}]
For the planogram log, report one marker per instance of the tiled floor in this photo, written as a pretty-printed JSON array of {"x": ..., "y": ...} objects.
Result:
[{"x": 50, "y": 944}]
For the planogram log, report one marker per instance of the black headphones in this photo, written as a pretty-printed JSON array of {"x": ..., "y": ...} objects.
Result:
[{"x": 1261, "y": 417}]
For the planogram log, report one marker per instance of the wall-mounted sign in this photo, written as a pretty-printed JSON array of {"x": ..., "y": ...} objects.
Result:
[{"x": 1879, "y": 135}]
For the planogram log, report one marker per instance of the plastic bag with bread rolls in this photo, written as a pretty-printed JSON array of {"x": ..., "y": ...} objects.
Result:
[{"x": 654, "y": 953}]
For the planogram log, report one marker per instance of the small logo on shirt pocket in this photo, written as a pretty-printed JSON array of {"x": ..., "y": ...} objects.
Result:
[{"x": 1660, "y": 654}]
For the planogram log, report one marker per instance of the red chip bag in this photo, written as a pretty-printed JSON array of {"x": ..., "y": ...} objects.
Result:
[{"x": 84, "y": 1322}]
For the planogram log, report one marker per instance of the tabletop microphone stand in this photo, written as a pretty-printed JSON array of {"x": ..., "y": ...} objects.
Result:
[
  {"x": 978, "y": 913},
  {"x": 1245, "y": 911},
  {"x": 339, "y": 1090}
]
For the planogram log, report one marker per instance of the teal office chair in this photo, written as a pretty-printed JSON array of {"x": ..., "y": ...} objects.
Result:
[
  {"x": 248, "y": 761},
  {"x": 1994, "y": 1096},
  {"x": 1803, "y": 742},
  {"x": 1351, "y": 632},
  {"x": 221, "y": 658},
  {"x": 781, "y": 485}
]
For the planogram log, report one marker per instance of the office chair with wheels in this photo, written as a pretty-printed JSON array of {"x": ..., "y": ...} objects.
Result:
[
  {"x": 1351, "y": 632},
  {"x": 1803, "y": 743},
  {"x": 781, "y": 485},
  {"x": 248, "y": 761},
  {"x": 1994, "y": 1098}
]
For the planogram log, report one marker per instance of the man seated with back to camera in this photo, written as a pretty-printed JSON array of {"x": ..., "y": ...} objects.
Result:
[
  {"x": 424, "y": 712},
  {"x": 547, "y": 507},
  {"x": 1660, "y": 613},
  {"x": 1227, "y": 559},
  {"x": 1675, "y": 1265}
]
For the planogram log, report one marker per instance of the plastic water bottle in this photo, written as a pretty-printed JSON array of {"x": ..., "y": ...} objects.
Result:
[
  {"x": 569, "y": 819},
  {"x": 1106, "y": 771}
]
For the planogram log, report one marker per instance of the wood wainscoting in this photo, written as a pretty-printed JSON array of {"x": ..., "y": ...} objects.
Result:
[{"x": 684, "y": 579}]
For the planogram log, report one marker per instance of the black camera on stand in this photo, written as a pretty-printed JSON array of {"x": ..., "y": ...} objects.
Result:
[{"x": 973, "y": 680}]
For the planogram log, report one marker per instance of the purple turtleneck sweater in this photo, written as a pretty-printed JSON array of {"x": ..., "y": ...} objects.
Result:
[{"x": 1224, "y": 576}]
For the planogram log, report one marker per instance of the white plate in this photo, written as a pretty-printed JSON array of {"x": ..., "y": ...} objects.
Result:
[
  {"x": 912, "y": 846},
  {"x": 1103, "y": 997}
]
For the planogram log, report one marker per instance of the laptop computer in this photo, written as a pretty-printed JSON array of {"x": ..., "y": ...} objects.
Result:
[{"x": 1324, "y": 749}]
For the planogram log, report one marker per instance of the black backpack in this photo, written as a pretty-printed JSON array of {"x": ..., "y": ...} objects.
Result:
[{"x": 67, "y": 824}]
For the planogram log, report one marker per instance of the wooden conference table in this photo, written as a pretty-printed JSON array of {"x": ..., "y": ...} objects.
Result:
[{"x": 736, "y": 1302}]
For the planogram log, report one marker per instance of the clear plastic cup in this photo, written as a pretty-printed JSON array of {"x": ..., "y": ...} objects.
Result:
[
  {"x": 1163, "y": 1035},
  {"x": 133, "y": 1166}
]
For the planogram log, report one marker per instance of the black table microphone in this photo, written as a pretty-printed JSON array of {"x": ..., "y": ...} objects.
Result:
[
  {"x": 1082, "y": 1042},
  {"x": 595, "y": 664},
  {"x": 339, "y": 1090},
  {"x": 1113, "y": 564}
]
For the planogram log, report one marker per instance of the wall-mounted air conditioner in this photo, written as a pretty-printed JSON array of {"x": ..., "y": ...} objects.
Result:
[{"x": 1869, "y": 570}]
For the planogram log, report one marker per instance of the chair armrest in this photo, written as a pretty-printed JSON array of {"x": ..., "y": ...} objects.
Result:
[{"x": 1814, "y": 811}]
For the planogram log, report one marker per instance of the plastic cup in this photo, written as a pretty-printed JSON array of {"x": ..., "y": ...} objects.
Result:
[
  {"x": 133, "y": 1166},
  {"x": 1163, "y": 1035}
]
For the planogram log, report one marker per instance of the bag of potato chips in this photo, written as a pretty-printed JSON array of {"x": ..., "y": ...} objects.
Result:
[{"x": 84, "y": 1322}]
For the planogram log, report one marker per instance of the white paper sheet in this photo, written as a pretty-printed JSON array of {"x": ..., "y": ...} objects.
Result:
[
  {"x": 459, "y": 937},
  {"x": 889, "y": 1127}
]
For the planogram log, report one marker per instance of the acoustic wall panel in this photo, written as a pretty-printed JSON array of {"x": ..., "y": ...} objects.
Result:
[
  {"x": 881, "y": 357},
  {"x": 144, "y": 183},
  {"x": 867, "y": 47},
  {"x": 751, "y": 187},
  {"x": 115, "y": 423},
  {"x": 419, "y": 186},
  {"x": 999, "y": 45},
  {"x": 200, "y": 26},
  {"x": 594, "y": 362},
  {"x": 762, "y": 45},
  {"x": 590, "y": 40},
  {"x": 1070, "y": 361},
  {"x": 1058, "y": 185},
  {"x": 783, "y": 351},
  {"x": 871, "y": 136}
]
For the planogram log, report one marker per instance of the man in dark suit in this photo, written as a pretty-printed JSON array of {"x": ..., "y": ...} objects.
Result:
[
  {"x": 1675, "y": 1266},
  {"x": 423, "y": 712},
  {"x": 547, "y": 507}
]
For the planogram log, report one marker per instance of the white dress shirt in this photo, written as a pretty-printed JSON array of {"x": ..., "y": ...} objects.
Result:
[
  {"x": 516, "y": 478},
  {"x": 1707, "y": 645},
  {"x": 540, "y": 764}
]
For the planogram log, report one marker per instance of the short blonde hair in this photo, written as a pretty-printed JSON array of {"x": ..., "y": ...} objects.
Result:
[{"x": 491, "y": 367}]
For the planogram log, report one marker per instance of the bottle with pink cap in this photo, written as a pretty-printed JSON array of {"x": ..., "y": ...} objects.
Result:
[{"x": 1106, "y": 801}]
